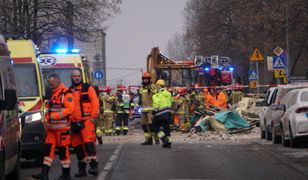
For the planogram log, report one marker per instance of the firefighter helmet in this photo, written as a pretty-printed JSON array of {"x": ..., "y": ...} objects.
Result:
[
  {"x": 146, "y": 75},
  {"x": 160, "y": 82},
  {"x": 182, "y": 91},
  {"x": 121, "y": 87},
  {"x": 108, "y": 89}
]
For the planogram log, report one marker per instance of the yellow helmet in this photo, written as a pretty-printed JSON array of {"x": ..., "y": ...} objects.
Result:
[{"x": 160, "y": 82}]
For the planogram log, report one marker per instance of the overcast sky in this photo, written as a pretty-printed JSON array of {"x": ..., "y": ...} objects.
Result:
[{"x": 142, "y": 24}]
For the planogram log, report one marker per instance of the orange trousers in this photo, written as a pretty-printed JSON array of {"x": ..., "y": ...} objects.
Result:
[
  {"x": 87, "y": 134},
  {"x": 61, "y": 140}
]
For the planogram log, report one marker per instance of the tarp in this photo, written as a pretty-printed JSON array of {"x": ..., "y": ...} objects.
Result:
[{"x": 231, "y": 120}]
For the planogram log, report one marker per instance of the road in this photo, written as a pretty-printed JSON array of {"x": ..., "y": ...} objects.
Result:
[{"x": 124, "y": 158}]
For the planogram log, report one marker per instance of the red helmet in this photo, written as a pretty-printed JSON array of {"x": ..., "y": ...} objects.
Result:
[
  {"x": 146, "y": 75},
  {"x": 182, "y": 91},
  {"x": 108, "y": 89},
  {"x": 121, "y": 87}
]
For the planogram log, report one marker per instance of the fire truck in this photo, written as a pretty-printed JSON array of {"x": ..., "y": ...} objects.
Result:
[{"x": 200, "y": 71}]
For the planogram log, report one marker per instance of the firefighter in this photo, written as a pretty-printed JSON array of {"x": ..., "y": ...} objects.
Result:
[
  {"x": 182, "y": 109},
  {"x": 59, "y": 107},
  {"x": 146, "y": 93},
  {"x": 123, "y": 108},
  {"x": 83, "y": 124},
  {"x": 162, "y": 101},
  {"x": 107, "y": 102}
]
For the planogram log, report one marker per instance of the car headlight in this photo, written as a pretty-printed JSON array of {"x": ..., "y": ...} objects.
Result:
[
  {"x": 139, "y": 110},
  {"x": 34, "y": 117}
]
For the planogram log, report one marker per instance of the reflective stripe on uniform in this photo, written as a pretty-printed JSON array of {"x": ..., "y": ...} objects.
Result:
[
  {"x": 57, "y": 126},
  {"x": 64, "y": 121},
  {"x": 147, "y": 135},
  {"x": 118, "y": 128},
  {"x": 161, "y": 134},
  {"x": 124, "y": 128},
  {"x": 47, "y": 161},
  {"x": 66, "y": 163}
]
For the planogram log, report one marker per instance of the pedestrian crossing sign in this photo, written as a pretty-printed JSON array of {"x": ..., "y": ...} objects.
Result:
[
  {"x": 253, "y": 84},
  {"x": 279, "y": 73},
  {"x": 256, "y": 55},
  {"x": 279, "y": 62},
  {"x": 252, "y": 75}
]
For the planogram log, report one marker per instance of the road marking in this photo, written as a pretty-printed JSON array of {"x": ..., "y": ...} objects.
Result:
[{"x": 109, "y": 164}]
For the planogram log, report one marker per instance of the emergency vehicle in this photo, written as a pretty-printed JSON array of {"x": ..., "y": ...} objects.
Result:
[
  {"x": 201, "y": 71},
  {"x": 10, "y": 145},
  {"x": 62, "y": 62},
  {"x": 30, "y": 91}
]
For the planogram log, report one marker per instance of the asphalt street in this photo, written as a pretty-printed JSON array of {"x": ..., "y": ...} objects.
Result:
[{"x": 124, "y": 158}]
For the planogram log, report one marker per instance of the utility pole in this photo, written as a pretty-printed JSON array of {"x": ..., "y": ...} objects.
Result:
[{"x": 287, "y": 40}]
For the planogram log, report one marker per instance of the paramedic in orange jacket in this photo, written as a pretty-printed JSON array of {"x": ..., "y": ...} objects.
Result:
[
  {"x": 59, "y": 107},
  {"x": 83, "y": 124}
]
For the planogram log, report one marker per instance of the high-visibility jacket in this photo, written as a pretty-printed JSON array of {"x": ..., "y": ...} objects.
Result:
[
  {"x": 200, "y": 98},
  {"x": 123, "y": 103},
  {"x": 146, "y": 93},
  {"x": 59, "y": 107},
  {"x": 107, "y": 103},
  {"x": 162, "y": 102},
  {"x": 221, "y": 100},
  {"x": 209, "y": 99},
  {"x": 86, "y": 102}
]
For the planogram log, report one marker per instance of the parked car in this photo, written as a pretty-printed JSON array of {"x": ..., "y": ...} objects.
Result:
[
  {"x": 265, "y": 107},
  {"x": 274, "y": 114},
  {"x": 294, "y": 122},
  {"x": 10, "y": 145}
]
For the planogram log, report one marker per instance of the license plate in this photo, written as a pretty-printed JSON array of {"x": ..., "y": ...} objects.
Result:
[{"x": 307, "y": 115}]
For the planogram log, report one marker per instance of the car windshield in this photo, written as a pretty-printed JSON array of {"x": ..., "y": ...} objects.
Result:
[
  {"x": 64, "y": 73},
  {"x": 304, "y": 96},
  {"x": 26, "y": 78}
]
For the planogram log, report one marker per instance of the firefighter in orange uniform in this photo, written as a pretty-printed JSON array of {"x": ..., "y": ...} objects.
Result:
[
  {"x": 59, "y": 107},
  {"x": 83, "y": 124}
]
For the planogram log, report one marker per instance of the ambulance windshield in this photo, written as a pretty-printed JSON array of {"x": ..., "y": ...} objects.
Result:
[{"x": 26, "y": 78}]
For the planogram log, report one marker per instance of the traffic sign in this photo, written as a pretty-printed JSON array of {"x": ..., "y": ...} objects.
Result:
[
  {"x": 279, "y": 62},
  {"x": 252, "y": 75},
  {"x": 256, "y": 55},
  {"x": 278, "y": 51},
  {"x": 279, "y": 73},
  {"x": 99, "y": 74},
  {"x": 252, "y": 84}
]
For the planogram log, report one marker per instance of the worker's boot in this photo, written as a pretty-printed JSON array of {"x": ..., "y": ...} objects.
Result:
[
  {"x": 81, "y": 170},
  {"x": 148, "y": 141},
  {"x": 166, "y": 142},
  {"x": 93, "y": 167},
  {"x": 125, "y": 132},
  {"x": 65, "y": 174},
  {"x": 43, "y": 175},
  {"x": 118, "y": 132},
  {"x": 100, "y": 140}
]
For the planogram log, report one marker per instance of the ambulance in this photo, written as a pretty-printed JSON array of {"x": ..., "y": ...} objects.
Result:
[
  {"x": 62, "y": 62},
  {"x": 30, "y": 90}
]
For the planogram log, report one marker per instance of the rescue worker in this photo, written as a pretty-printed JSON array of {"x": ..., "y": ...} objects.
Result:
[
  {"x": 57, "y": 124},
  {"x": 182, "y": 109},
  {"x": 107, "y": 102},
  {"x": 162, "y": 101},
  {"x": 209, "y": 98},
  {"x": 83, "y": 124},
  {"x": 123, "y": 108},
  {"x": 221, "y": 99},
  {"x": 146, "y": 93}
]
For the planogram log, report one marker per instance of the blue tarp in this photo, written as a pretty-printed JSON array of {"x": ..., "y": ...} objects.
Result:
[{"x": 231, "y": 120}]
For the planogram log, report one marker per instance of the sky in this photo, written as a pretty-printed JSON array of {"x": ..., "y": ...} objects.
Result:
[{"x": 142, "y": 24}]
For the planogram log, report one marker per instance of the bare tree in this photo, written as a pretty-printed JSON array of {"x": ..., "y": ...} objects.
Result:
[{"x": 177, "y": 47}]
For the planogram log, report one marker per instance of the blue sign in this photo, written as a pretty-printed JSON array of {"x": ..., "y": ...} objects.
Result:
[
  {"x": 252, "y": 75},
  {"x": 98, "y": 74},
  {"x": 279, "y": 62}
]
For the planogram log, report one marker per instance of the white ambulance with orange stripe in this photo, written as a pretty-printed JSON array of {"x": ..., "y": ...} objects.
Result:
[{"x": 30, "y": 90}]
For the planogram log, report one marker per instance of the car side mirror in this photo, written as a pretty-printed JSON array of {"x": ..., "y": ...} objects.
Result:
[
  {"x": 10, "y": 99},
  {"x": 262, "y": 103},
  {"x": 281, "y": 107}
]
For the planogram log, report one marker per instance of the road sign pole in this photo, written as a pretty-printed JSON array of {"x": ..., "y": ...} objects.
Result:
[{"x": 257, "y": 67}]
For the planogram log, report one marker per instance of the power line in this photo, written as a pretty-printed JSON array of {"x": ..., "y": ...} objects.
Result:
[
  {"x": 122, "y": 77},
  {"x": 119, "y": 68}
]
